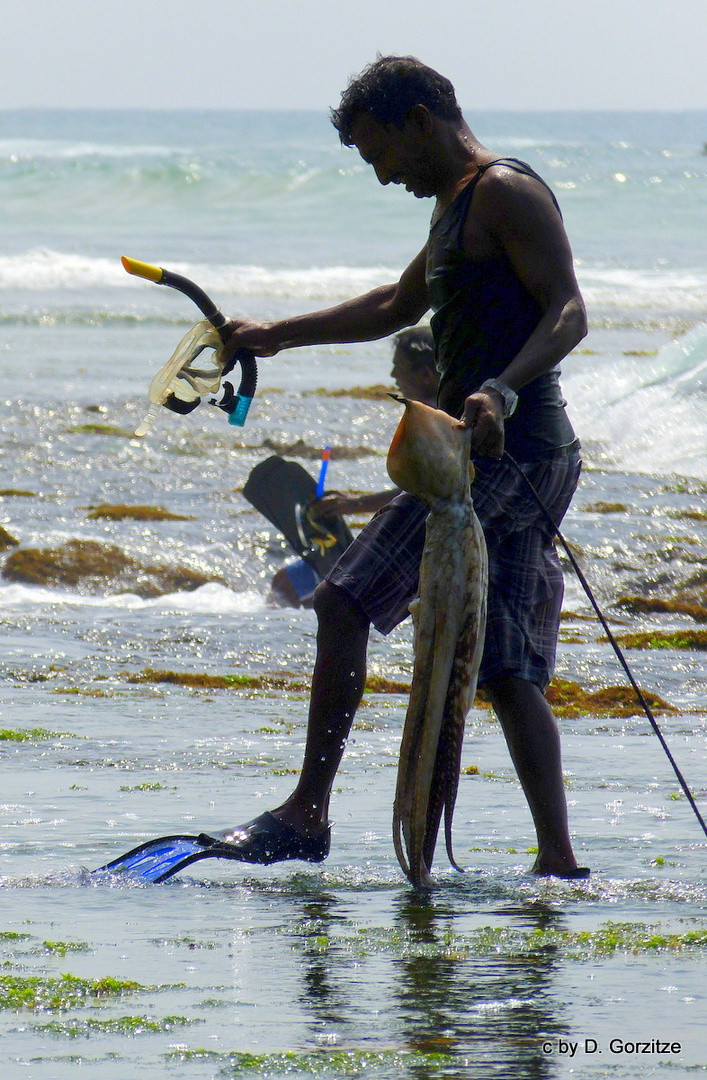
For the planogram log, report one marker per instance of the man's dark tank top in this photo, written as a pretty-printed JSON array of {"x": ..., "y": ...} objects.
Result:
[{"x": 483, "y": 315}]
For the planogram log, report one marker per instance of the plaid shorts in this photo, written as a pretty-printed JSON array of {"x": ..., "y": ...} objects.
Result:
[{"x": 380, "y": 569}]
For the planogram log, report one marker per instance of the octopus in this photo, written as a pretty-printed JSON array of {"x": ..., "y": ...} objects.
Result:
[{"x": 430, "y": 458}]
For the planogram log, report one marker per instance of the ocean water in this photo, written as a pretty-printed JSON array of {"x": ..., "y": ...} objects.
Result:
[{"x": 340, "y": 970}]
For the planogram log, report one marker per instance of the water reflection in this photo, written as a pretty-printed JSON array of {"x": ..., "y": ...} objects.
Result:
[
  {"x": 323, "y": 991},
  {"x": 426, "y": 982},
  {"x": 313, "y": 919},
  {"x": 486, "y": 1009}
]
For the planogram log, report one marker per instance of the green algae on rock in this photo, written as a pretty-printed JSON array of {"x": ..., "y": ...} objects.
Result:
[
  {"x": 84, "y": 691},
  {"x": 121, "y": 1025},
  {"x": 146, "y": 786},
  {"x": 61, "y": 948},
  {"x": 201, "y": 681},
  {"x": 570, "y": 700},
  {"x": 55, "y": 994},
  {"x": 375, "y": 684},
  {"x": 379, "y": 684},
  {"x": 567, "y": 698},
  {"x": 325, "y": 1063},
  {"x": 37, "y": 734},
  {"x": 690, "y": 514},
  {"x": 607, "y": 940},
  {"x": 694, "y": 588},
  {"x": 665, "y": 639}
]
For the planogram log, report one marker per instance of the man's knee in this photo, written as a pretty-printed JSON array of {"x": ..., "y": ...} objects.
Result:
[
  {"x": 335, "y": 607},
  {"x": 507, "y": 688}
]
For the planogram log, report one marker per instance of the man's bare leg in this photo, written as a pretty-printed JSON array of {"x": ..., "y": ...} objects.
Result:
[
  {"x": 534, "y": 743},
  {"x": 337, "y": 687}
]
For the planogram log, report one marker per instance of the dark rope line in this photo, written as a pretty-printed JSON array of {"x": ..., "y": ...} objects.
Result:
[{"x": 614, "y": 643}]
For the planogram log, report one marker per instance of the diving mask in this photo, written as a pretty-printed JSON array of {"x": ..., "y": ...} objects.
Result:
[{"x": 180, "y": 385}]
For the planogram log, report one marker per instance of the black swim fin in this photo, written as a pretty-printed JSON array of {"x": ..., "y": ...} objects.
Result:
[{"x": 282, "y": 491}]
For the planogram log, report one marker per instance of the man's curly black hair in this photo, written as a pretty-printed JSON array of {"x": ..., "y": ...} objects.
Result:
[{"x": 388, "y": 89}]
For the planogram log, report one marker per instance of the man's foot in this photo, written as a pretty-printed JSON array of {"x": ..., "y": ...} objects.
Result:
[
  {"x": 267, "y": 840},
  {"x": 568, "y": 873}
]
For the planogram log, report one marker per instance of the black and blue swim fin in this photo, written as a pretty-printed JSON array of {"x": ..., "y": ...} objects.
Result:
[
  {"x": 159, "y": 859},
  {"x": 263, "y": 840}
]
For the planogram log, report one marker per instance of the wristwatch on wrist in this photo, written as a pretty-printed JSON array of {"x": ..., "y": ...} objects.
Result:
[{"x": 510, "y": 398}]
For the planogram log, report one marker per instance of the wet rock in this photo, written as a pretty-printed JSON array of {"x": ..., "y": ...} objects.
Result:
[
  {"x": 606, "y": 508},
  {"x": 694, "y": 589},
  {"x": 91, "y": 566}
]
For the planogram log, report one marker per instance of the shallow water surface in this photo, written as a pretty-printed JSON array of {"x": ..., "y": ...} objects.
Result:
[{"x": 344, "y": 968}]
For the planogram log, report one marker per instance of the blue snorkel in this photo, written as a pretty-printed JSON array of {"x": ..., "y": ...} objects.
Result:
[
  {"x": 326, "y": 454},
  {"x": 179, "y": 386}
]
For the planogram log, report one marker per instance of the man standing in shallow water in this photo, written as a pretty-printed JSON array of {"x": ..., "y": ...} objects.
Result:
[{"x": 497, "y": 271}]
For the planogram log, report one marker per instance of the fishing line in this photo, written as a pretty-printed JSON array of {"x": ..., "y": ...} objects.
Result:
[{"x": 612, "y": 640}]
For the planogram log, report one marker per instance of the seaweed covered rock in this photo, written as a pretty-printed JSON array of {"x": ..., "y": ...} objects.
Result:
[
  {"x": 7, "y": 540},
  {"x": 651, "y": 605},
  {"x": 121, "y": 512},
  {"x": 91, "y": 567},
  {"x": 301, "y": 449},
  {"x": 693, "y": 640},
  {"x": 569, "y": 699}
]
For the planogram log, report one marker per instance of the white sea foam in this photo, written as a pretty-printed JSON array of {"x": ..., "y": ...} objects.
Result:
[
  {"x": 209, "y": 599},
  {"x": 27, "y": 150},
  {"x": 653, "y": 417},
  {"x": 657, "y": 291},
  {"x": 42, "y": 268}
]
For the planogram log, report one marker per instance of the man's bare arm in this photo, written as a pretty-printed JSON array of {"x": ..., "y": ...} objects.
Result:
[
  {"x": 375, "y": 314},
  {"x": 335, "y": 502},
  {"x": 522, "y": 220}
]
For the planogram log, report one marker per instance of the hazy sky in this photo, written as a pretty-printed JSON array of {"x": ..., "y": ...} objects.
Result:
[{"x": 509, "y": 54}]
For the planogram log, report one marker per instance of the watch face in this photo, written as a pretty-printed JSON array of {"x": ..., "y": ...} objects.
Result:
[{"x": 511, "y": 401}]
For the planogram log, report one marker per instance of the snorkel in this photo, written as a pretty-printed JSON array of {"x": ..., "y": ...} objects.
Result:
[{"x": 178, "y": 385}]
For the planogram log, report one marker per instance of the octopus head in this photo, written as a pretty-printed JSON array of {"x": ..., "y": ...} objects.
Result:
[{"x": 429, "y": 454}]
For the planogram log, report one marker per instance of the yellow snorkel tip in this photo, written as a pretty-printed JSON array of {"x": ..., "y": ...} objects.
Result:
[{"x": 143, "y": 270}]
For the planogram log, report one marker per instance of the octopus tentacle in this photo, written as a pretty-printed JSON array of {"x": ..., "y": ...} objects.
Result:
[{"x": 429, "y": 457}]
